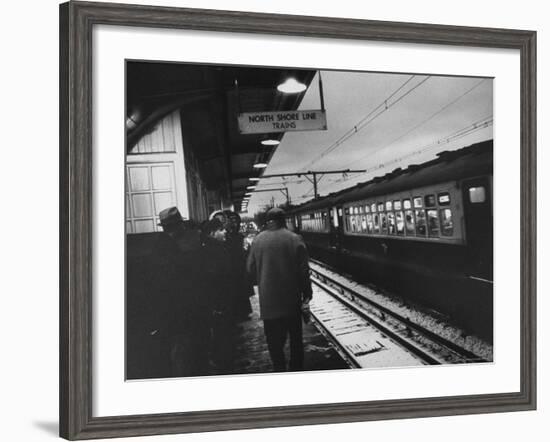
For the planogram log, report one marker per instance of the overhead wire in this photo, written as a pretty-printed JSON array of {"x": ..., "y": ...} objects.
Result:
[
  {"x": 461, "y": 133},
  {"x": 365, "y": 121},
  {"x": 432, "y": 116}
]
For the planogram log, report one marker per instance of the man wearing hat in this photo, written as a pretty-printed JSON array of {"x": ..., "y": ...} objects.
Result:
[
  {"x": 278, "y": 262},
  {"x": 179, "y": 305}
]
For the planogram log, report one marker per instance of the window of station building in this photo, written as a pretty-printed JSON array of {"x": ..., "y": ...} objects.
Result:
[
  {"x": 406, "y": 204},
  {"x": 399, "y": 223},
  {"x": 477, "y": 194},
  {"x": 380, "y": 207},
  {"x": 433, "y": 223},
  {"x": 409, "y": 222},
  {"x": 417, "y": 201},
  {"x": 429, "y": 200},
  {"x": 446, "y": 218},
  {"x": 444, "y": 199},
  {"x": 388, "y": 205},
  {"x": 391, "y": 223},
  {"x": 397, "y": 204},
  {"x": 420, "y": 222},
  {"x": 383, "y": 224},
  {"x": 373, "y": 207}
]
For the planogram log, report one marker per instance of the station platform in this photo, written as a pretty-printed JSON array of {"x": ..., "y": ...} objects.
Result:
[{"x": 252, "y": 355}]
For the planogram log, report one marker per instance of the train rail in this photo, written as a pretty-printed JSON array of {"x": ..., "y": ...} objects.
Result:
[{"x": 369, "y": 334}]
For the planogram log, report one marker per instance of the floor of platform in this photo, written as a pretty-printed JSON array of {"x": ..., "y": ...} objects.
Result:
[{"x": 252, "y": 355}]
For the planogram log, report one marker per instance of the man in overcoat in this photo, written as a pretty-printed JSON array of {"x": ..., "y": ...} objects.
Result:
[
  {"x": 180, "y": 307},
  {"x": 278, "y": 262}
]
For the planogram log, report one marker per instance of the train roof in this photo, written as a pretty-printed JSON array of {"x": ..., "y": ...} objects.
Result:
[{"x": 470, "y": 161}]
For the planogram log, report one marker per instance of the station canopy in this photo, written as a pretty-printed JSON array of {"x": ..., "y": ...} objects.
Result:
[{"x": 209, "y": 98}]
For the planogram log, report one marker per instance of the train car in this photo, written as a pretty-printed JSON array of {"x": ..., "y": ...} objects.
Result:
[{"x": 425, "y": 232}]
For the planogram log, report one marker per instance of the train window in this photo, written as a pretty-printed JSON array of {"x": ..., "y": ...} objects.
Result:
[
  {"x": 367, "y": 209},
  {"x": 391, "y": 223},
  {"x": 429, "y": 200},
  {"x": 388, "y": 205},
  {"x": 346, "y": 210},
  {"x": 444, "y": 199},
  {"x": 420, "y": 222},
  {"x": 417, "y": 200},
  {"x": 380, "y": 207},
  {"x": 376, "y": 224},
  {"x": 397, "y": 205},
  {"x": 446, "y": 218},
  {"x": 433, "y": 223},
  {"x": 399, "y": 223},
  {"x": 383, "y": 223},
  {"x": 339, "y": 212},
  {"x": 360, "y": 209},
  {"x": 363, "y": 224},
  {"x": 373, "y": 207},
  {"x": 406, "y": 204},
  {"x": 477, "y": 194},
  {"x": 370, "y": 225},
  {"x": 409, "y": 222}
]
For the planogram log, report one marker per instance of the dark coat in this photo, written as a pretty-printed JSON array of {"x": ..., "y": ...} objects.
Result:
[
  {"x": 241, "y": 286},
  {"x": 218, "y": 276},
  {"x": 180, "y": 303},
  {"x": 278, "y": 261}
]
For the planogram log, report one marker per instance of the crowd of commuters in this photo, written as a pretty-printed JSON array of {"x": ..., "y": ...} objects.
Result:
[{"x": 203, "y": 281}]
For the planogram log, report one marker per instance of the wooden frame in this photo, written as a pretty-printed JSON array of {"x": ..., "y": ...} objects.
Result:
[{"x": 76, "y": 22}]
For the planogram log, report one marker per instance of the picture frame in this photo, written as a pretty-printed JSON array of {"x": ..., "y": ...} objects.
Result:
[{"x": 76, "y": 219}]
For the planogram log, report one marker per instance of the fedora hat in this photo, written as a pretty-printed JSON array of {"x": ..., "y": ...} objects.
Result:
[{"x": 170, "y": 217}]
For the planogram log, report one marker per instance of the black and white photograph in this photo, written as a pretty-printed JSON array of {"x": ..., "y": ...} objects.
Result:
[{"x": 284, "y": 219}]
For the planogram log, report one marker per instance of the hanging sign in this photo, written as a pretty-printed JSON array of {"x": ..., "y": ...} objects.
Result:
[{"x": 282, "y": 121}]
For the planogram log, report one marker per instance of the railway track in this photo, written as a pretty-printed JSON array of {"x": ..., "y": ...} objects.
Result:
[{"x": 368, "y": 334}]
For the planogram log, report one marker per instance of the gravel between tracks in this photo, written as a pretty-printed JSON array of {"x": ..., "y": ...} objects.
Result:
[{"x": 429, "y": 319}]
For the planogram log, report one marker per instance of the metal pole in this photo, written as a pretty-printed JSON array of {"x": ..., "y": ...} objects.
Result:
[
  {"x": 237, "y": 97},
  {"x": 321, "y": 92},
  {"x": 315, "y": 195}
]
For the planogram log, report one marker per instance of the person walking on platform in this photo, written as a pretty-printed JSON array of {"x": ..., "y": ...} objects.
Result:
[
  {"x": 218, "y": 281},
  {"x": 278, "y": 262},
  {"x": 179, "y": 309}
]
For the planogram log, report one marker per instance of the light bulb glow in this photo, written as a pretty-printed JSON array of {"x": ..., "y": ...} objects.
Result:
[
  {"x": 291, "y": 86},
  {"x": 270, "y": 142}
]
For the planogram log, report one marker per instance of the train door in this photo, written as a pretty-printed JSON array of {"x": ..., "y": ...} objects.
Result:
[
  {"x": 478, "y": 219},
  {"x": 336, "y": 220}
]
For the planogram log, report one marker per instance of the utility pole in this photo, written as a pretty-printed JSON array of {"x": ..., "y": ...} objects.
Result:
[
  {"x": 283, "y": 190},
  {"x": 316, "y": 176}
]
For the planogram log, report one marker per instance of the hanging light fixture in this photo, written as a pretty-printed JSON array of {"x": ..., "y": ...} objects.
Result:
[
  {"x": 270, "y": 142},
  {"x": 254, "y": 179},
  {"x": 291, "y": 86},
  {"x": 260, "y": 165}
]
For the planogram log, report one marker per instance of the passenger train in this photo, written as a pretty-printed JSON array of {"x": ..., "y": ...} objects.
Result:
[{"x": 425, "y": 232}]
